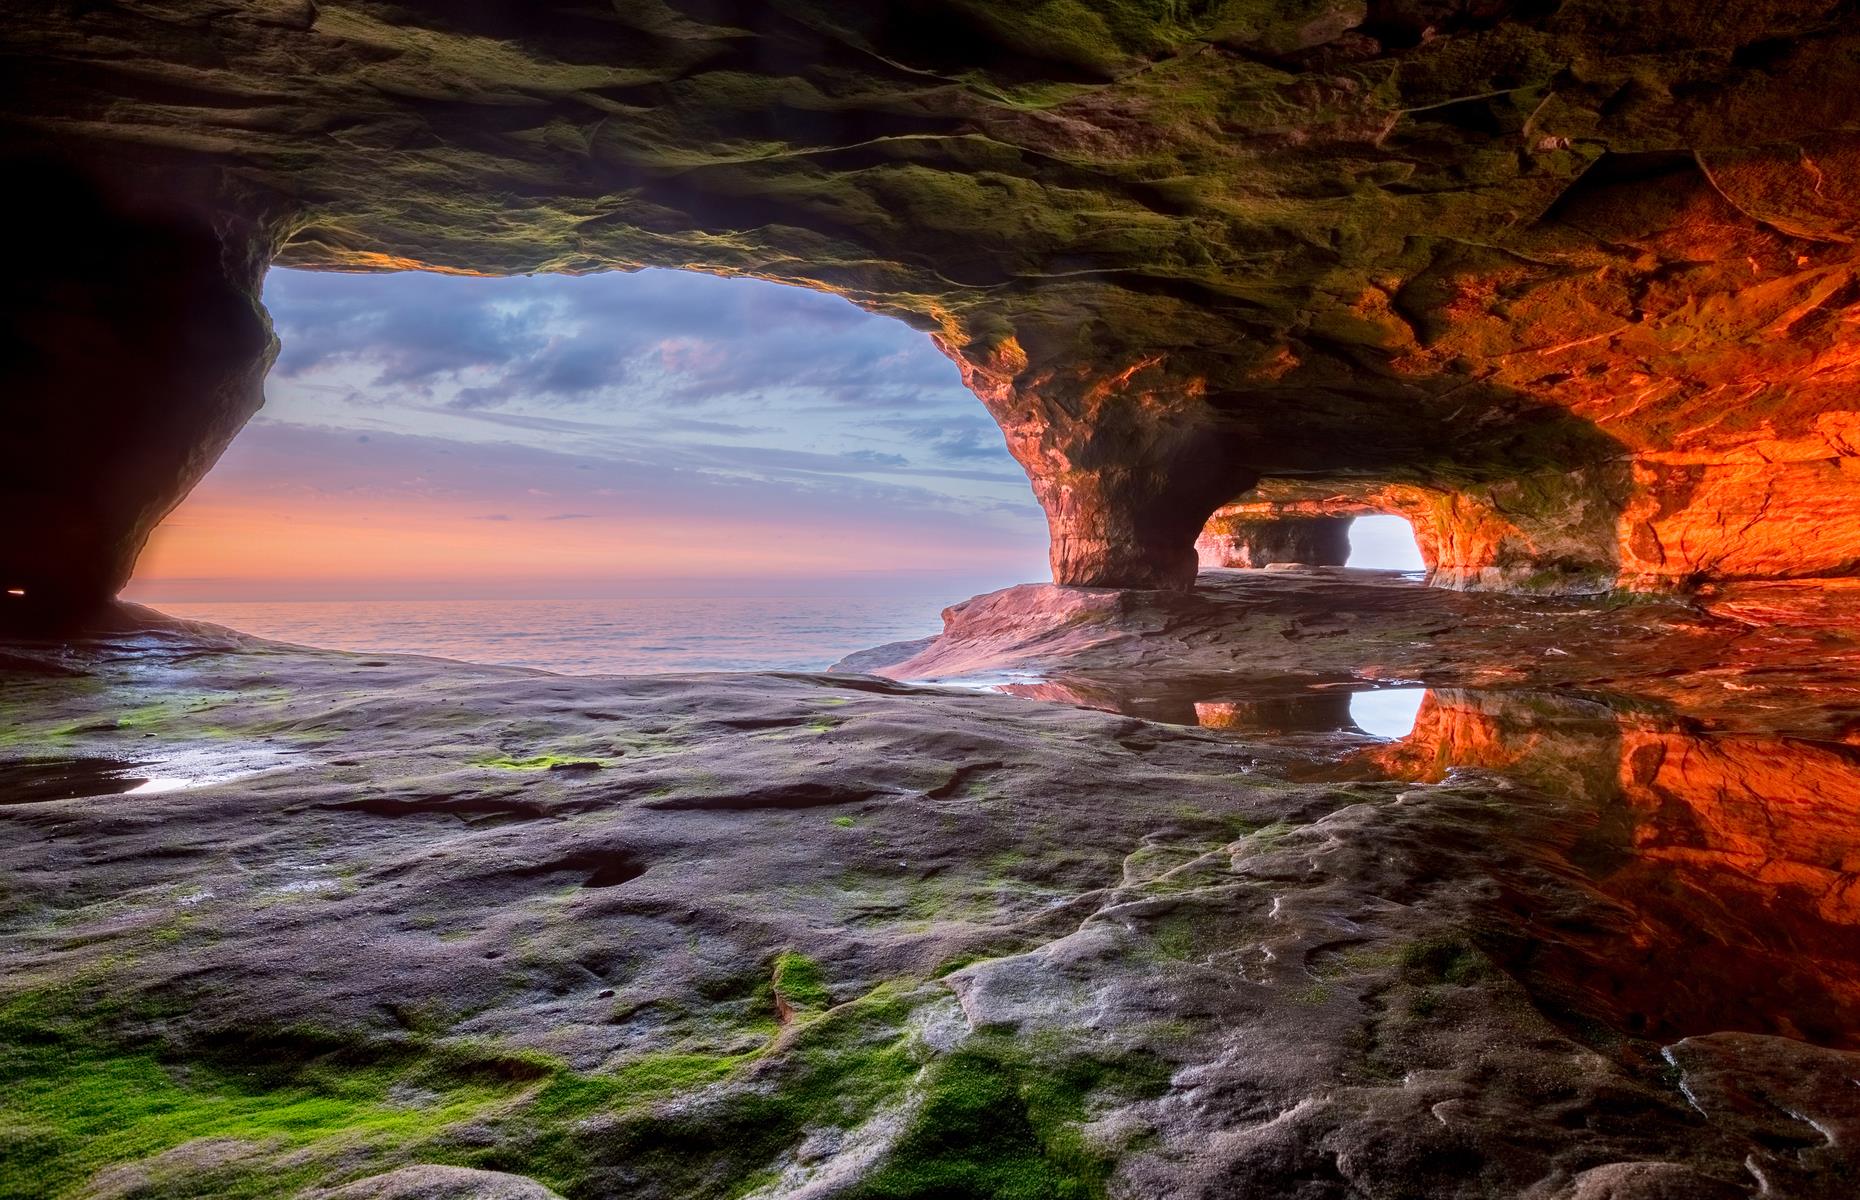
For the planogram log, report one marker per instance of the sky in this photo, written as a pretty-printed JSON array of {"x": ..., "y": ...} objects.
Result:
[
  {"x": 1385, "y": 541},
  {"x": 652, "y": 433}
]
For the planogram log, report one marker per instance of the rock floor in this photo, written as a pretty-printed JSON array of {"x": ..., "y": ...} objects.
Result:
[{"x": 289, "y": 922}]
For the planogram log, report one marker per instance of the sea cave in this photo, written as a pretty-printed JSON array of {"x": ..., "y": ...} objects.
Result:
[{"x": 1431, "y": 768}]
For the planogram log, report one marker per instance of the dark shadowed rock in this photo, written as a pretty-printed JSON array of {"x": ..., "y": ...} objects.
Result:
[{"x": 1650, "y": 1181}]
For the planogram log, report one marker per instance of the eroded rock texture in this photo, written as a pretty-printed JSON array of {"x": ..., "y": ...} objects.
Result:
[
  {"x": 1587, "y": 264},
  {"x": 400, "y": 928},
  {"x": 1238, "y": 539},
  {"x": 1547, "y": 533}
]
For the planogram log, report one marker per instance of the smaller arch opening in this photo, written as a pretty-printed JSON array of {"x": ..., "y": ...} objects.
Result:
[
  {"x": 1387, "y": 712},
  {"x": 1384, "y": 542}
]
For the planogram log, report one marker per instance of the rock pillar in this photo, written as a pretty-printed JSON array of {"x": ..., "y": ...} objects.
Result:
[
  {"x": 1127, "y": 464},
  {"x": 1124, "y": 524},
  {"x": 132, "y": 348}
]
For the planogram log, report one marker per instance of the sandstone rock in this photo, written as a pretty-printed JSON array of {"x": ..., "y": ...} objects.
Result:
[
  {"x": 134, "y": 348},
  {"x": 1649, "y": 1181},
  {"x": 1157, "y": 654},
  {"x": 1233, "y": 539},
  {"x": 1586, "y": 931},
  {"x": 190, "y": 1165}
]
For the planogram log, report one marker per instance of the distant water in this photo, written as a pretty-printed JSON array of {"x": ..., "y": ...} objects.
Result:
[{"x": 627, "y": 636}]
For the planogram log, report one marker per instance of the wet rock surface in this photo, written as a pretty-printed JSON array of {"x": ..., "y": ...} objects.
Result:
[
  {"x": 402, "y": 919},
  {"x": 1775, "y": 656}
]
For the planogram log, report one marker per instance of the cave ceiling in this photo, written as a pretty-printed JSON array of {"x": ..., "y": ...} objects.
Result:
[{"x": 1175, "y": 245}]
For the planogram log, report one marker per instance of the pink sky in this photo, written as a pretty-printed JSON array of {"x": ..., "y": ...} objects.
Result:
[
  {"x": 432, "y": 436},
  {"x": 295, "y": 513}
]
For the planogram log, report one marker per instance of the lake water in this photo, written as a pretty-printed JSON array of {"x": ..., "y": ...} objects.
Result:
[{"x": 630, "y": 636}]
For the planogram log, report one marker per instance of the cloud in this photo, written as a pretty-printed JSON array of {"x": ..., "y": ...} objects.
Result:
[
  {"x": 664, "y": 337},
  {"x": 968, "y": 445},
  {"x": 412, "y": 331},
  {"x": 596, "y": 418},
  {"x": 878, "y": 458},
  {"x": 413, "y": 498}
]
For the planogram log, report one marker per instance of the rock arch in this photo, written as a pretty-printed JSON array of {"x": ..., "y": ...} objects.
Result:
[
  {"x": 1578, "y": 266},
  {"x": 1548, "y": 535}
]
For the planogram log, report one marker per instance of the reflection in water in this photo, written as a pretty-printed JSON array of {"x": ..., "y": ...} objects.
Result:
[
  {"x": 1387, "y": 712},
  {"x": 1295, "y": 705},
  {"x": 1310, "y": 712},
  {"x": 40, "y": 780},
  {"x": 33, "y": 780},
  {"x": 1342, "y": 705},
  {"x": 1727, "y": 865},
  {"x": 160, "y": 783},
  {"x": 1733, "y": 861}
]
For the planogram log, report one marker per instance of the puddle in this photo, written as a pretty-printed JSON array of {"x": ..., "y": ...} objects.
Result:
[
  {"x": 40, "y": 780},
  {"x": 1733, "y": 860},
  {"x": 1270, "y": 707},
  {"x": 34, "y": 780},
  {"x": 160, "y": 783},
  {"x": 1387, "y": 712},
  {"x": 1729, "y": 862}
]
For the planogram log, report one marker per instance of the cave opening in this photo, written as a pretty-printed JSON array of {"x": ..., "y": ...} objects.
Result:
[
  {"x": 509, "y": 448},
  {"x": 1387, "y": 713},
  {"x": 1385, "y": 542},
  {"x": 1154, "y": 882}
]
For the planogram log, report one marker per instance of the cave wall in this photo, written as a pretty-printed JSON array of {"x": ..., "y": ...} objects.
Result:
[
  {"x": 134, "y": 349},
  {"x": 1579, "y": 278},
  {"x": 1234, "y": 539},
  {"x": 1639, "y": 526}
]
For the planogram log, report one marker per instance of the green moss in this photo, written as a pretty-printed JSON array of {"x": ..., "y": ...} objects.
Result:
[
  {"x": 853, "y": 1059},
  {"x": 172, "y": 711},
  {"x": 843, "y": 822},
  {"x": 74, "y": 1100},
  {"x": 170, "y": 932},
  {"x": 1000, "y": 1118},
  {"x": 1098, "y": 37},
  {"x": 1445, "y": 960},
  {"x": 1361, "y": 960},
  {"x": 799, "y": 981},
  {"x": 536, "y": 762},
  {"x": 734, "y": 1114},
  {"x": 1178, "y": 937},
  {"x": 997, "y": 947},
  {"x": 1266, "y": 837},
  {"x": 649, "y": 1078}
]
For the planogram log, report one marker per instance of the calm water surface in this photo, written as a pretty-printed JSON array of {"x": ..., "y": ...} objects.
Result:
[{"x": 631, "y": 635}]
